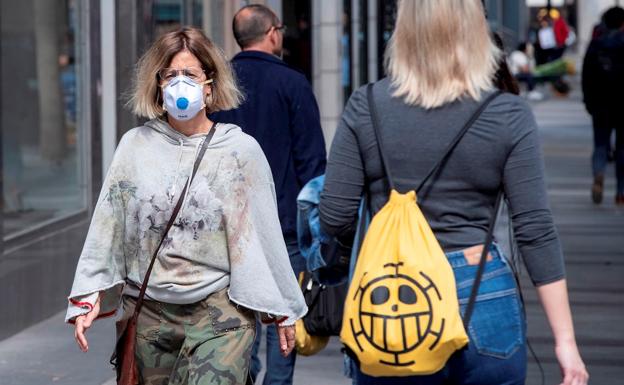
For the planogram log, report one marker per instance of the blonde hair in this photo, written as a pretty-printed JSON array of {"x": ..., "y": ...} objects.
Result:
[
  {"x": 146, "y": 96},
  {"x": 440, "y": 50}
]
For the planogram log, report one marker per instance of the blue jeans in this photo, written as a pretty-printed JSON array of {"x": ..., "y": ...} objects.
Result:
[
  {"x": 279, "y": 370},
  {"x": 603, "y": 128},
  {"x": 496, "y": 353}
]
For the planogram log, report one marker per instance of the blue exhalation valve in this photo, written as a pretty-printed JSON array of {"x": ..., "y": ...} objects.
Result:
[{"x": 182, "y": 103}]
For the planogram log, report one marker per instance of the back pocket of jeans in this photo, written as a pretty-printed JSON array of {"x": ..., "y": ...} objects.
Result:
[{"x": 496, "y": 327}]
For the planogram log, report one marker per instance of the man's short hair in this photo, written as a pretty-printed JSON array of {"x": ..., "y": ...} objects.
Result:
[
  {"x": 614, "y": 18},
  {"x": 522, "y": 46},
  {"x": 252, "y": 27}
]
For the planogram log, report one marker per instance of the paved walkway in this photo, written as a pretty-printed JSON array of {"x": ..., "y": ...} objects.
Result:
[
  {"x": 593, "y": 240},
  {"x": 593, "y": 243}
]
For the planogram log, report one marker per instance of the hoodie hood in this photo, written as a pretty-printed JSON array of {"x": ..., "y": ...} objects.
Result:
[{"x": 223, "y": 131}]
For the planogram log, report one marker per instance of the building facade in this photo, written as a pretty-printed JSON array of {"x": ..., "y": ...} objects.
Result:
[{"x": 66, "y": 67}]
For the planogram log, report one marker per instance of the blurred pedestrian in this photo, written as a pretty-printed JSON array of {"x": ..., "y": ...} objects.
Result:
[
  {"x": 216, "y": 263},
  {"x": 562, "y": 32},
  {"x": 280, "y": 111},
  {"x": 603, "y": 82},
  {"x": 431, "y": 91},
  {"x": 546, "y": 40},
  {"x": 522, "y": 65}
]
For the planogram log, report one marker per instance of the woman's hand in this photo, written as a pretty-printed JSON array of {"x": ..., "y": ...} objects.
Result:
[
  {"x": 83, "y": 323},
  {"x": 286, "y": 339},
  {"x": 572, "y": 368},
  {"x": 554, "y": 298}
]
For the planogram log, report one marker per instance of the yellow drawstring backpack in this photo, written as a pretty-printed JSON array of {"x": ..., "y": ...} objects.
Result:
[
  {"x": 401, "y": 314},
  {"x": 305, "y": 343}
]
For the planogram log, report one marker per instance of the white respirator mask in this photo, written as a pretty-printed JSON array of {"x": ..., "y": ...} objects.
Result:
[{"x": 184, "y": 98}]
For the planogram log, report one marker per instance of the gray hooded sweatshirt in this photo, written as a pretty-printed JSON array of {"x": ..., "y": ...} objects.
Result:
[{"x": 227, "y": 232}]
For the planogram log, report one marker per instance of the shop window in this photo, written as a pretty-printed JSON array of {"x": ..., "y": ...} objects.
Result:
[
  {"x": 386, "y": 19},
  {"x": 298, "y": 38},
  {"x": 345, "y": 43},
  {"x": 362, "y": 41},
  {"x": 169, "y": 15},
  {"x": 42, "y": 111}
]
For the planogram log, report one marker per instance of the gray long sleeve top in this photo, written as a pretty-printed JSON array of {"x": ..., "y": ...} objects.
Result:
[{"x": 501, "y": 149}]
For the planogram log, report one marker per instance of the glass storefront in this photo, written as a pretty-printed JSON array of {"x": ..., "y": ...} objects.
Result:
[
  {"x": 43, "y": 146},
  {"x": 345, "y": 43},
  {"x": 362, "y": 41},
  {"x": 169, "y": 15},
  {"x": 386, "y": 21},
  {"x": 298, "y": 37},
  {"x": 354, "y": 45}
]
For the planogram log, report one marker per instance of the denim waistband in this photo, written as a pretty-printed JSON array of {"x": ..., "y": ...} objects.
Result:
[{"x": 458, "y": 259}]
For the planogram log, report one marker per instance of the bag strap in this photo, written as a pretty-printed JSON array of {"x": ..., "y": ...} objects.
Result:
[
  {"x": 481, "y": 268},
  {"x": 362, "y": 222},
  {"x": 436, "y": 168},
  {"x": 447, "y": 153},
  {"x": 174, "y": 214}
]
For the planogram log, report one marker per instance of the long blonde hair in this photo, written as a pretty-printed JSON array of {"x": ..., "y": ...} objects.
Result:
[
  {"x": 440, "y": 50},
  {"x": 146, "y": 99}
]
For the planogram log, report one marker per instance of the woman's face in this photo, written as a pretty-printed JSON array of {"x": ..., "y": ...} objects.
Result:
[{"x": 185, "y": 59}]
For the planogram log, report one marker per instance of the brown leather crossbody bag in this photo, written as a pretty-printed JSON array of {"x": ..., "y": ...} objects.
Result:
[{"x": 124, "y": 356}]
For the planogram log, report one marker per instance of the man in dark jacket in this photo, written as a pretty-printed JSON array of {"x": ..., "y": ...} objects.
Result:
[
  {"x": 281, "y": 113},
  {"x": 603, "y": 86}
]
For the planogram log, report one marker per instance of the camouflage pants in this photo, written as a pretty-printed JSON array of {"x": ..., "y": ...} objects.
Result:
[{"x": 208, "y": 342}]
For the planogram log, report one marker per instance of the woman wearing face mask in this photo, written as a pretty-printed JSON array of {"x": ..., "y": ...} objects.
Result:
[{"x": 223, "y": 259}]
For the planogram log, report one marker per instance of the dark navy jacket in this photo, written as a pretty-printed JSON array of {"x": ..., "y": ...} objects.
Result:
[{"x": 281, "y": 113}]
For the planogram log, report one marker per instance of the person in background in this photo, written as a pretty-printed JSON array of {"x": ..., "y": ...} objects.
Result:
[
  {"x": 281, "y": 113},
  {"x": 546, "y": 41},
  {"x": 521, "y": 65},
  {"x": 431, "y": 91},
  {"x": 603, "y": 82},
  {"x": 562, "y": 32}
]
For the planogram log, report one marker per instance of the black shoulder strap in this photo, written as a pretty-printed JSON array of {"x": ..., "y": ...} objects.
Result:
[
  {"x": 174, "y": 214},
  {"x": 437, "y": 167},
  {"x": 375, "y": 119},
  {"x": 486, "y": 250},
  {"x": 446, "y": 154}
]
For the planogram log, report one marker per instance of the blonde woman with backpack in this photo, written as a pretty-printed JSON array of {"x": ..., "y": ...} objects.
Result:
[{"x": 441, "y": 63}]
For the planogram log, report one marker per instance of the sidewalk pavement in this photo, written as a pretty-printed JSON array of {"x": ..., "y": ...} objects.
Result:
[{"x": 593, "y": 241}]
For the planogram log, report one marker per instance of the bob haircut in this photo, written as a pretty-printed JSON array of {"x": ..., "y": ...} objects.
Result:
[
  {"x": 146, "y": 96},
  {"x": 440, "y": 51}
]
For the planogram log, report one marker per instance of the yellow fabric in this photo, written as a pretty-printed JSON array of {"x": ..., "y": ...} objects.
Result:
[
  {"x": 307, "y": 344},
  {"x": 401, "y": 313}
]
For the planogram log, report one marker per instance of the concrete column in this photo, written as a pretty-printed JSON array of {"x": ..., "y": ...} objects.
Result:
[
  {"x": 589, "y": 13},
  {"x": 373, "y": 55},
  {"x": 355, "y": 44},
  {"x": 52, "y": 135},
  {"x": 109, "y": 83},
  {"x": 326, "y": 63},
  {"x": 213, "y": 21},
  {"x": 230, "y": 8},
  {"x": 276, "y": 6}
]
